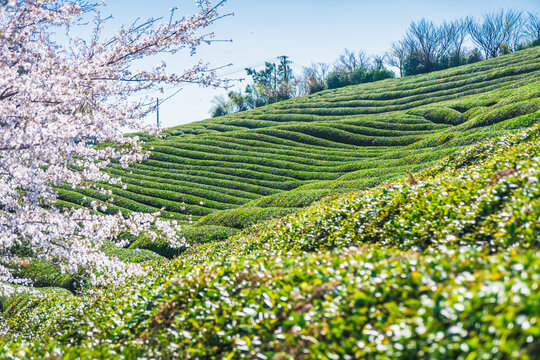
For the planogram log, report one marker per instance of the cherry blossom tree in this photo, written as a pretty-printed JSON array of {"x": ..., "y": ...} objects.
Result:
[{"x": 60, "y": 97}]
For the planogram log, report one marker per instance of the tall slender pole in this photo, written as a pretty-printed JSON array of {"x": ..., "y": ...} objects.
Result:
[{"x": 157, "y": 112}]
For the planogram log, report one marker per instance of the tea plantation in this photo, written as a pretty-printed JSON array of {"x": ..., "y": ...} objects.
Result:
[
  {"x": 239, "y": 169},
  {"x": 396, "y": 219}
]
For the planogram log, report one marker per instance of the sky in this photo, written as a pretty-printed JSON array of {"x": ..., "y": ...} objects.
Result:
[{"x": 308, "y": 31}]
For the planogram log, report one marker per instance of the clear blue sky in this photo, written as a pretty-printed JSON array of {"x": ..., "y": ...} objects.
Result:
[{"x": 305, "y": 30}]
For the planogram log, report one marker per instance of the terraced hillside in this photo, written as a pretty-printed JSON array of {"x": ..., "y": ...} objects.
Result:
[
  {"x": 445, "y": 268},
  {"x": 443, "y": 264},
  {"x": 238, "y": 169}
]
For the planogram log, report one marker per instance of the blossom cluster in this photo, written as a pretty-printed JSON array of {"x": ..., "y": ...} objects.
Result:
[{"x": 58, "y": 99}]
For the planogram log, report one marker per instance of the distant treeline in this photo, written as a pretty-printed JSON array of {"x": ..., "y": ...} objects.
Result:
[{"x": 425, "y": 47}]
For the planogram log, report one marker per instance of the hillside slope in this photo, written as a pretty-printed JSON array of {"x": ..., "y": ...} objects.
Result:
[
  {"x": 440, "y": 263},
  {"x": 219, "y": 175},
  {"x": 239, "y": 169},
  {"x": 442, "y": 266}
]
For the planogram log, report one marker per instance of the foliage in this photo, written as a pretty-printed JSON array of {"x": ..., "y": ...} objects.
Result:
[
  {"x": 193, "y": 234},
  {"x": 276, "y": 82},
  {"x": 441, "y": 263},
  {"x": 451, "y": 270},
  {"x": 242, "y": 217},
  {"x": 315, "y": 76},
  {"x": 425, "y": 47},
  {"x": 337, "y": 79},
  {"x": 428, "y": 47},
  {"x": 287, "y": 155},
  {"x": 349, "y": 69}
]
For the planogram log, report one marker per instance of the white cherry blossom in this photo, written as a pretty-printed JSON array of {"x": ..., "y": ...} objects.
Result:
[{"x": 57, "y": 98}]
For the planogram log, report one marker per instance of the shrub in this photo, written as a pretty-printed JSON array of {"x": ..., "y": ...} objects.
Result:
[
  {"x": 337, "y": 79},
  {"x": 242, "y": 217},
  {"x": 192, "y": 234},
  {"x": 439, "y": 114}
]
